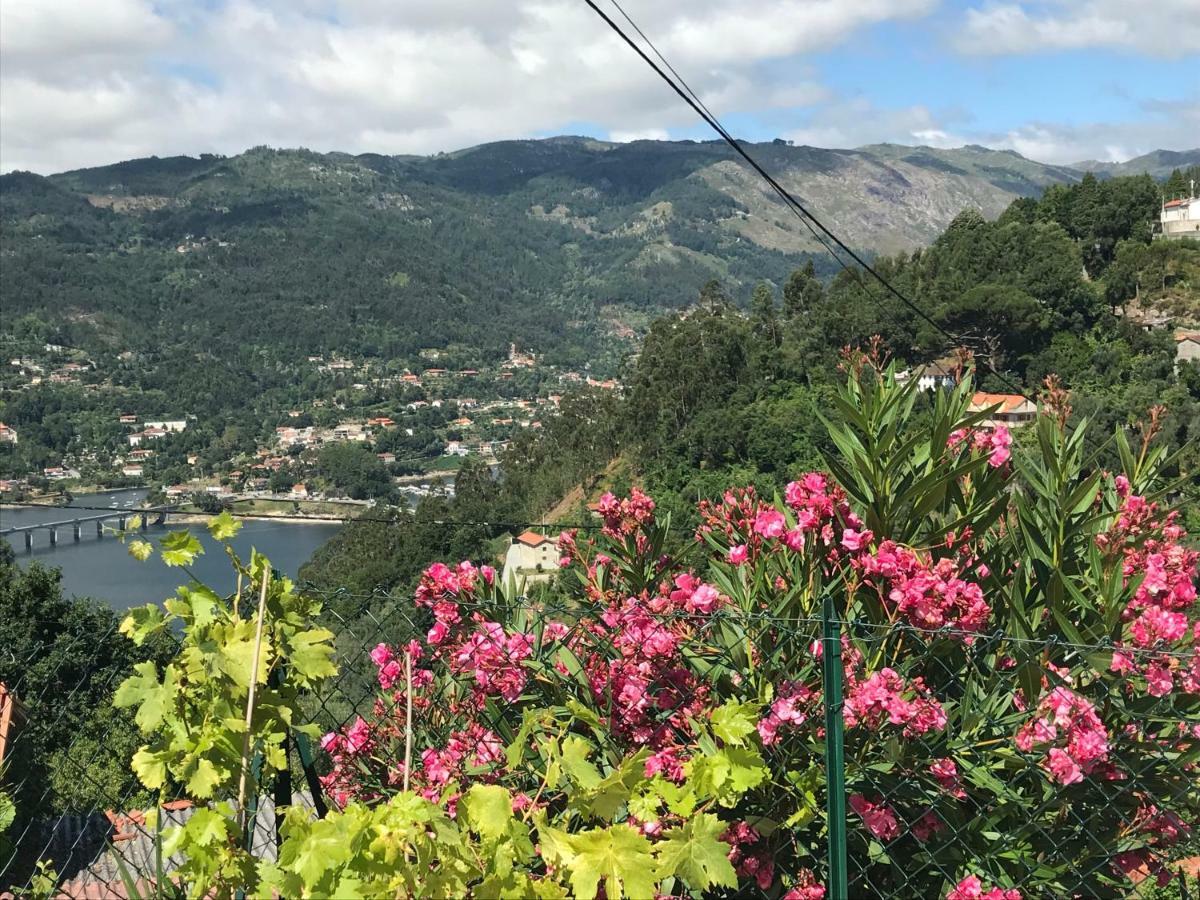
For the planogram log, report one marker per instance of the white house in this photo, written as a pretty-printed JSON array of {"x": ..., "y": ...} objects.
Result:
[
  {"x": 532, "y": 557},
  {"x": 165, "y": 425},
  {"x": 1180, "y": 218},
  {"x": 132, "y": 471},
  {"x": 8, "y": 434},
  {"x": 1187, "y": 347},
  {"x": 941, "y": 373}
]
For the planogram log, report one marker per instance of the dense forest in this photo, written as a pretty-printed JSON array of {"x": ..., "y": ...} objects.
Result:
[
  {"x": 721, "y": 395},
  {"x": 200, "y": 286}
]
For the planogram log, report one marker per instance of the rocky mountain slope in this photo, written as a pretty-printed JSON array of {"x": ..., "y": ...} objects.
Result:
[{"x": 562, "y": 244}]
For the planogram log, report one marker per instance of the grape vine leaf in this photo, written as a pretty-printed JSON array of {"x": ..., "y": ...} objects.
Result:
[
  {"x": 204, "y": 779},
  {"x": 695, "y": 853},
  {"x": 150, "y": 767},
  {"x": 224, "y": 526},
  {"x": 154, "y": 699},
  {"x": 311, "y": 656},
  {"x": 488, "y": 810},
  {"x": 733, "y": 722},
  {"x": 618, "y": 855},
  {"x": 179, "y": 548}
]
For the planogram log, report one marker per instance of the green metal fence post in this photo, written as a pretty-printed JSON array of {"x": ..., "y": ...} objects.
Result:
[{"x": 835, "y": 758}]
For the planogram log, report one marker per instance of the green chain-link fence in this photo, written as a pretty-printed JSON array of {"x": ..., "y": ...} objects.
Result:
[{"x": 938, "y": 755}]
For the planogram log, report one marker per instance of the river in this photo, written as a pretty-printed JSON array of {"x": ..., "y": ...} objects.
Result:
[{"x": 102, "y": 567}]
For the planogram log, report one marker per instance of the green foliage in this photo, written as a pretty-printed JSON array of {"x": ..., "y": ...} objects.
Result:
[
  {"x": 354, "y": 471},
  {"x": 229, "y": 691},
  {"x": 574, "y": 847},
  {"x": 61, "y": 658}
]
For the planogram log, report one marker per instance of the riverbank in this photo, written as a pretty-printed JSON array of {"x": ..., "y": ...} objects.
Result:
[{"x": 197, "y": 518}]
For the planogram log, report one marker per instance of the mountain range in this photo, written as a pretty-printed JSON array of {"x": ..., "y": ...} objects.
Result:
[{"x": 558, "y": 244}]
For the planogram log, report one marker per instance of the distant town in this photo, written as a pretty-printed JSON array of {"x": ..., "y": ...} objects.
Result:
[{"x": 420, "y": 424}]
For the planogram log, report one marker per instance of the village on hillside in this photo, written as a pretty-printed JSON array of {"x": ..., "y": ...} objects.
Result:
[{"x": 419, "y": 423}]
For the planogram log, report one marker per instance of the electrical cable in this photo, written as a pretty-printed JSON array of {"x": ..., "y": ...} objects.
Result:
[{"x": 688, "y": 96}]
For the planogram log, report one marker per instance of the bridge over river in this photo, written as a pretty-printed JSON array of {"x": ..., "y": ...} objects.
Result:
[{"x": 153, "y": 515}]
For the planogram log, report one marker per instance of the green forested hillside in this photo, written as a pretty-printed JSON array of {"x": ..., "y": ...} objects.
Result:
[
  {"x": 720, "y": 395},
  {"x": 547, "y": 243}
]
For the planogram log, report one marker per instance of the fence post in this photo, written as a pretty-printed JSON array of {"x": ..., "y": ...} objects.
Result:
[{"x": 835, "y": 758}]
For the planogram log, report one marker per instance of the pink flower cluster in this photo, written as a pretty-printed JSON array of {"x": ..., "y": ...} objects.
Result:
[
  {"x": 441, "y": 588},
  {"x": 636, "y": 670},
  {"x": 805, "y": 887},
  {"x": 749, "y": 859},
  {"x": 1160, "y": 616},
  {"x": 1077, "y": 739},
  {"x": 624, "y": 517},
  {"x": 884, "y": 697},
  {"x": 792, "y": 706},
  {"x": 971, "y": 888},
  {"x": 473, "y": 747},
  {"x": 823, "y": 519},
  {"x": 946, "y": 773},
  {"x": 391, "y": 669},
  {"x": 877, "y": 816},
  {"x": 995, "y": 442},
  {"x": 925, "y": 593},
  {"x": 821, "y": 510},
  {"x": 495, "y": 658},
  {"x": 695, "y": 596}
]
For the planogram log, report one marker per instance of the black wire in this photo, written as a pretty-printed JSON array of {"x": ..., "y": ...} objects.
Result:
[{"x": 797, "y": 208}]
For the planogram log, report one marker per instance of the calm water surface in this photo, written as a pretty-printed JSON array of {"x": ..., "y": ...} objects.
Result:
[{"x": 102, "y": 568}]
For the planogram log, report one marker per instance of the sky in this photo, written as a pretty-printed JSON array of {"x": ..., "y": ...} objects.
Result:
[{"x": 90, "y": 83}]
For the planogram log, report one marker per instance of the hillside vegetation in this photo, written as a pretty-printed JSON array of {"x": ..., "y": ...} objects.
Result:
[{"x": 524, "y": 241}]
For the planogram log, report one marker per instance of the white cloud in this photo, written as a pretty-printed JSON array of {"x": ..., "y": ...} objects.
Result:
[
  {"x": 856, "y": 123},
  {"x": 90, "y": 83},
  {"x": 646, "y": 134},
  {"x": 1161, "y": 28}
]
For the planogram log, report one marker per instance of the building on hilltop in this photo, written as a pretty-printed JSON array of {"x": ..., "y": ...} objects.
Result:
[
  {"x": 531, "y": 557},
  {"x": 1014, "y": 410},
  {"x": 941, "y": 373},
  {"x": 1187, "y": 347},
  {"x": 1180, "y": 217}
]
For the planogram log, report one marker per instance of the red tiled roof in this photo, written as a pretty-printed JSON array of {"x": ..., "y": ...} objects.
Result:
[
  {"x": 532, "y": 539},
  {"x": 1007, "y": 402}
]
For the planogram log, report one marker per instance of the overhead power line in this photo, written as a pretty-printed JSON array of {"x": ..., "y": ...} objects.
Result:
[{"x": 812, "y": 222}]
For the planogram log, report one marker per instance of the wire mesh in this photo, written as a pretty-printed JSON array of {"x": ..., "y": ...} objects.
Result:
[{"x": 1013, "y": 760}]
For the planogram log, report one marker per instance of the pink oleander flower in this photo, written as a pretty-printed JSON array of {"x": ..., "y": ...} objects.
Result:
[
  {"x": 946, "y": 773},
  {"x": 1159, "y": 680},
  {"x": 667, "y": 763},
  {"x": 855, "y": 540},
  {"x": 739, "y": 554},
  {"x": 770, "y": 523},
  {"x": 792, "y": 705},
  {"x": 971, "y": 888},
  {"x": 1069, "y": 723},
  {"x": 877, "y": 816},
  {"x": 805, "y": 887},
  {"x": 381, "y": 655},
  {"x": 926, "y": 593},
  {"x": 885, "y": 697}
]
